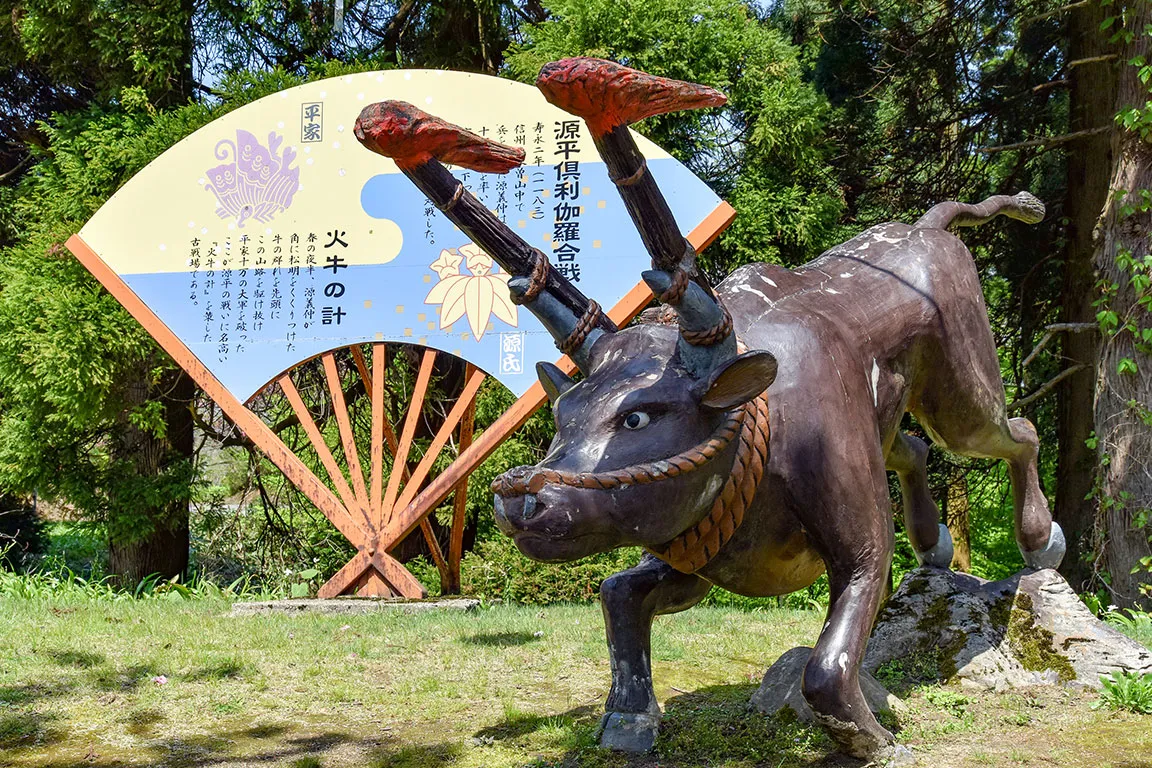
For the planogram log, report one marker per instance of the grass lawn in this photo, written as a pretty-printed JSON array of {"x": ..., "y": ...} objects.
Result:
[{"x": 504, "y": 686}]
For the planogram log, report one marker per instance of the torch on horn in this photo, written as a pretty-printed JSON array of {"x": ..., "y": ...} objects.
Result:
[
  {"x": 419, "y": 143},
  {"x": 609, "y": 97}
]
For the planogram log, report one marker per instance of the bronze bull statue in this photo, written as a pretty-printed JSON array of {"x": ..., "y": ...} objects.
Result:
[{"x": 745, "y": 444}]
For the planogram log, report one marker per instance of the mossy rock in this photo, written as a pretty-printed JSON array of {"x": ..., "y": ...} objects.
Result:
[{"x": 946, "y": 627}]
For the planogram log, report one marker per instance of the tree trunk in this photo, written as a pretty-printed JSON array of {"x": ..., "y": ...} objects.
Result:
[
  {"x": 957, "y": 519},
  {"x": 1124, "y": 371},
  {"x": 1092, "y": 100},
  {"x": 164, "y": 549}
]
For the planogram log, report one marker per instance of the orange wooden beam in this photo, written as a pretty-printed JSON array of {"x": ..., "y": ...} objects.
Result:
[
  {"x": 375, "y": 385},
  {"x": 321, "y": 447},
  {"x": 344, "y": 423},
  {"x": 415, "y": 404}
]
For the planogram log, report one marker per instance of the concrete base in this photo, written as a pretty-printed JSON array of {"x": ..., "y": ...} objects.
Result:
[{"x": 352, "y": 605}]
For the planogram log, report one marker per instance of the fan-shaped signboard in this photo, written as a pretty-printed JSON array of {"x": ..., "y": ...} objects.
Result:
[{"x": 271, "y": 237}]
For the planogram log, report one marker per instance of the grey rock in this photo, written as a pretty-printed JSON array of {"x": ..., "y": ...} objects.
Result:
[
  {"x": 351, "y": 605},
  {"x": 780, "y": 688},
  {"x": 629, "y": 731},
  {"x": 1030, "y": 629}
]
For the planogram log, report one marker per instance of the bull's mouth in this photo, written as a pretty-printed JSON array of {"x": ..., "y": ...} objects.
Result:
[
  {"x": 549, "y": 533},
  {"x": 551, "y": 549}
]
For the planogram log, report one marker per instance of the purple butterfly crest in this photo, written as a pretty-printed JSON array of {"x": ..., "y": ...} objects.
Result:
[{"x": 257, "y": 184}]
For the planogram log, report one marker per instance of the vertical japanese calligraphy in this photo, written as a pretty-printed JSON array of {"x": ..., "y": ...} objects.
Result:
[{"x": 566, "y": 212}]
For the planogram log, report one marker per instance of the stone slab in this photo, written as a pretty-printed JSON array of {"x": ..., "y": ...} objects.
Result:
[
  {"x": 350, "y": 606},
  {"x": 1029, "y": 629},
  {"x": 781, "y": 688}
]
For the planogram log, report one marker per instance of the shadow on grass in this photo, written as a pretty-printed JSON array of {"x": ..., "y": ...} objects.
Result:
[
  {"x": 26, "y": 730},
  {"x": 500, "y": 639},
  {"x": 75, "y": 658},
  {"x": 124, "y": 680},
  {"x": 272, "y": 744},
  {"x": 520, "y": 724},
  {"x": 711, "y": 726},
  {"x": 30, "y": 693},
  {"x": 222, "y": 669}
]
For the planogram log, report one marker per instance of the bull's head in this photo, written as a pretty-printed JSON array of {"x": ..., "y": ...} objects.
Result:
[{"x": 630, "y": 464}]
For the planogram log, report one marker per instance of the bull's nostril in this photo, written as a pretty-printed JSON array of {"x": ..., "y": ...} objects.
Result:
[{"x": 529, "y": 506}]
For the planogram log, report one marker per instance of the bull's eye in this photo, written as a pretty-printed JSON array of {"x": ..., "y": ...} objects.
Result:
[{"x": 636, "y": 420}]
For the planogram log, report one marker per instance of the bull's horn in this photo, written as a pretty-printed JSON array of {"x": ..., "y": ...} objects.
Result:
[
  {"x": 706, "y": 336},
  {"x": 574, "y": 335},
  {"x": 554, "y": 380}
]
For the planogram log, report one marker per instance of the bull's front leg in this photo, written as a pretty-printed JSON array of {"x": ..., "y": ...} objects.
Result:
[{"x": 630, "y": 600}]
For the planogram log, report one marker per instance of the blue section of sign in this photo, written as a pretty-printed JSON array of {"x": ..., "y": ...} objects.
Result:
[{"x": 603, "y": 256}]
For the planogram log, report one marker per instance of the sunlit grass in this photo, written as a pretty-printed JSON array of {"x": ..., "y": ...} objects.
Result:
[{"x": 177, "y": 682}]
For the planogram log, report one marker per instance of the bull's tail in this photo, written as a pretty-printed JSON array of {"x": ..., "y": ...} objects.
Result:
[{"x": 1022, "y": 206}]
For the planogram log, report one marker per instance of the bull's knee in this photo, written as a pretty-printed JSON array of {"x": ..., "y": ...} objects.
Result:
[{"x": 617, "y": 592}]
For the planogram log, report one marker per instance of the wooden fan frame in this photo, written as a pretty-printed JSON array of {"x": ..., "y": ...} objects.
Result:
[{"x": 373, "y": 515}]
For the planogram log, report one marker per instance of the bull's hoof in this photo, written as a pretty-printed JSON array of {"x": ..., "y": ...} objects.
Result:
[
  {"x": 629, "y": 731},
  {"x": 870, "y": 742},
  {"x": 941, "y": 554},
  {"x": 1052, "y": 553}
]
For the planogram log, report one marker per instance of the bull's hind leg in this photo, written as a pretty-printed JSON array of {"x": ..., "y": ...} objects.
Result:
[
  {"x": 908, "y": 458},
  {"x": 960, "y": 429},
  {"x": 630, "y": 600}
]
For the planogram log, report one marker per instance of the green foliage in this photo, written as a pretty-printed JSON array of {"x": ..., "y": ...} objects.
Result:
[
  {"x": 1135, "y": 623},
  {"x": 65, "y": 585},
  {"x": 497, "y": 570},
  {"x": 22, "y": 536},
  {"x": 1127, "y": 690},
  {"x": 764, "y": 151}
]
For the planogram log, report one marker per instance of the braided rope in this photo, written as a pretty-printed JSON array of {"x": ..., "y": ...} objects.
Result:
[
  {"x": 456, "y": 195},
  {"x": 692, "y": 549},
  {"x": 583, "y": 327},
  {"x": 675, "y": 292},
  {"x": 628, "y": 181},
  {"x": 710, "y": 336},
  {"x": 536, "y": 281}
]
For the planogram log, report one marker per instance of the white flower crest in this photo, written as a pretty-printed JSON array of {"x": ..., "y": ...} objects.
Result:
[{"x": 477, "y": 295}]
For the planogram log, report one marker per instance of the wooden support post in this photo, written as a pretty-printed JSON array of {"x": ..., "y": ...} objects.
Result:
[
  {"x": 336, "y": 392},
  {"x": 460, "y": 502},
  {"x": 400, "y": 457}
]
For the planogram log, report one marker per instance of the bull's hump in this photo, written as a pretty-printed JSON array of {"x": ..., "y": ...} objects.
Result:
[{"x": 871, "y": 242}]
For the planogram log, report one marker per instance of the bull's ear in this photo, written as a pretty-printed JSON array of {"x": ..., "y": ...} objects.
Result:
[
  {"x": 736, "y": 381},
  {"x": 554, "y": 380}
]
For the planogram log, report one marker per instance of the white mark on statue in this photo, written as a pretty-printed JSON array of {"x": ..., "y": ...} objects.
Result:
[
  {"x": 843, "y": 662},
  {"x": 746, "y": 289},
  {"x": 875, "y": 381},
  {"x": 769, "y": 281}
]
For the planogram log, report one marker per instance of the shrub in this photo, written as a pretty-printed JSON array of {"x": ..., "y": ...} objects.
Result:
[
  {"x": 21, "y": 533},
  {"x": 496, "y": 569},
  {"x": 1127, "y": 690}
]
